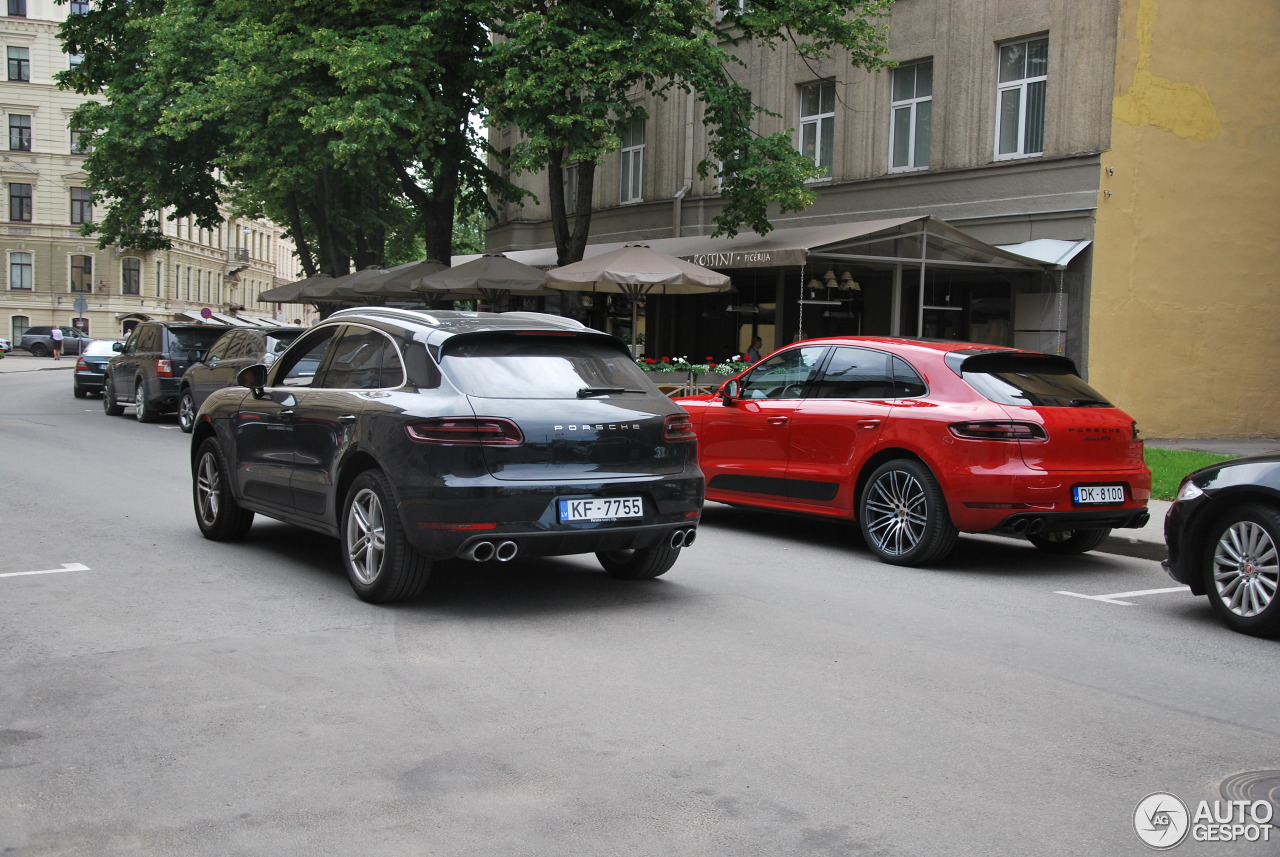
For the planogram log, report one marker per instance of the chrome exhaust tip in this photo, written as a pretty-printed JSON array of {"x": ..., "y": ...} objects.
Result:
[
  {"x": 480, "y": 552},
  {"x": 677, "y": 539},
  {"x": 1036, "y": 526},
  {"x": 506, "y": 551},
  {"x": 689, "y": 536}
]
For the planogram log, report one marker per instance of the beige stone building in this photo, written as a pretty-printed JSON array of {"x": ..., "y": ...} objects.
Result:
[
  {"x": 1089, "y": 178},
  {"x": 48, "y": 264}
]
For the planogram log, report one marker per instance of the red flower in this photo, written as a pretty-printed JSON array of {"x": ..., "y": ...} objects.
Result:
[
  {"x": 650, "y": 361},
  {"x": 666, "y": 359}
]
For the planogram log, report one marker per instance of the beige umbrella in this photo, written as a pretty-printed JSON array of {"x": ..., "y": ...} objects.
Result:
[
  {"x": 636, "y": 270},
  {"x": 396, "y": 284},
  {"x": 290, "y": 293},
  {"x": 493, "y": 276}
]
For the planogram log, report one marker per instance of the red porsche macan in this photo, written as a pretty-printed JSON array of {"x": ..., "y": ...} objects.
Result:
[{"x": 919, "y": 441}]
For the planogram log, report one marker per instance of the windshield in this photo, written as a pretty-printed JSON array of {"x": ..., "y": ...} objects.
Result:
[
  {"x": 195, "y": 338},
  {"x": 540, "y": 367}
]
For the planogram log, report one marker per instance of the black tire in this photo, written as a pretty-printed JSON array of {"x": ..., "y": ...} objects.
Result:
[
  {"x": 141, "y": 409},
  {"x": 1242, "y": 569},
  {"x": 186, "y": 410},
  {"x": 220, "y": 517},
  {"x": 381, "y": 564},
  {"x": 903, "y": 514},
  {"x": 109, "y": 406},
  {"x": 39, "y": 349},
  {"x": 1069, "y": 542},
  {"x": 78, "y": 391},
  {"x": 640, "y": 563}
]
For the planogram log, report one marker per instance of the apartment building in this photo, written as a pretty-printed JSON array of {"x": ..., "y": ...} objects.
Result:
[
  {"x": 1087, "y": 178},
  {"x": 48, "y": 265}
]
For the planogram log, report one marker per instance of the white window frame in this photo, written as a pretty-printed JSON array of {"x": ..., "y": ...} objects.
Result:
[
  {"x": 631, "y": 161},
  {"x": 30, "y": 269},
  {"x": 813, "y": 125},
  {"x": 1021, "y": 88},
  {"x": 911, "y": 107}
]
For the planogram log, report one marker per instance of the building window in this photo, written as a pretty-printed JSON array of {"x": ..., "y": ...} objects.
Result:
[
  {"x": 131, "y": 277},
  {"x": 632, "y": 188},
  {"x": 818, "y": 123},
  {"x": 20, "y": 271},
  {"x": 78, "y": 146},
  {"x": 912, "y": 117},
  {"x": 18, "y": 8},
  {"x": 20, "y": 202},
  {"x": 81, "y": 273},
  {"x": 79, "y": 7},
  {"x": 19, "y": 64},
  {"x": 19, "y": 133},
  {"x": 1024, "y": 68},
  {"x": 81, "y": 205},
  {"x": 74, "y": 60}
]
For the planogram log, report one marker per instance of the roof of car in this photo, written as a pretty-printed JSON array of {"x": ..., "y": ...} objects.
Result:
[
  {"x": 453, "y": 321},
  {"x": 938, "y": 345}
]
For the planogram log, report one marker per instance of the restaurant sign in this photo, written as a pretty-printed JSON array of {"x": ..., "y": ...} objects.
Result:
[{"x": 776, "y": 258}]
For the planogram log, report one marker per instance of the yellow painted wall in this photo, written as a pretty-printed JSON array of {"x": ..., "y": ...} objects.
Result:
[{"x": 1184, "y": 319}]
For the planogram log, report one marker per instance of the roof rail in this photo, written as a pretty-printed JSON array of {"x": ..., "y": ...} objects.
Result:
[
  {"x": 548, "y": 318},
  {"x": 415, "y": 315}
]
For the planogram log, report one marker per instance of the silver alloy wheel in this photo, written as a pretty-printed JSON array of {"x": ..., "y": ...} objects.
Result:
[
  {"x": 898, "y": 510},
  {"x": 366, "y": 536},
  {"x": 208, "y": 489},
  {"x": 1246, "y": 568}
]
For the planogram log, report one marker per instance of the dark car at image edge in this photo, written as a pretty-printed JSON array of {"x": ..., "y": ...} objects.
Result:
[
  {"x": 415, "y": 436},
  {"x": 1223, "y": 535}
]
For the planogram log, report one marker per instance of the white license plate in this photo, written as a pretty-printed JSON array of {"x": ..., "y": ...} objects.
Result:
[
  {"x": 601, "y": 509},
  {"x": 1086, "y": 494}
]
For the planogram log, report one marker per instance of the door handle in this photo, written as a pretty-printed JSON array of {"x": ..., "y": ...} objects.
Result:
[
  {"x": 287, "y": 416},
  {"x": 868, "y": 424},
  {"x": 776, "y": 421},
  {"x": 347, "y": 418}
]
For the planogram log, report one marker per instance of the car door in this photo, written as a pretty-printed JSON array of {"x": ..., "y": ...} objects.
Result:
[
  {"x": 264, "y": 427},
  {"x": 362, "y": 365},
  {"x": 216, "y": 370},
  {"x": 743, "y": 444},
  {"x": 836, "y": 426},
  {"x": 123, "y": 368}
]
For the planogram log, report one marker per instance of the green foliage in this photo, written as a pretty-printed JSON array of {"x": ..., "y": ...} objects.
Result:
[{"x": 1168, "y": 466}]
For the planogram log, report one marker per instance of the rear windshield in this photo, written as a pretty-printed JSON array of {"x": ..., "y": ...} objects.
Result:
[
  {"x": 1044, "y": 382},
  {"x": 195, "y": 338},
  {"x": 540, "y": 367}
]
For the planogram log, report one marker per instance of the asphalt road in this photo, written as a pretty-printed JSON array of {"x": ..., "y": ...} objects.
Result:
[{"x": 777, "y": 693}]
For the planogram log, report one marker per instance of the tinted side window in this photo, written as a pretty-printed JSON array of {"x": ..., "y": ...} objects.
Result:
[
  {"x": 784, "y": 375},
  {"x": 298, "y": 367},
  {"x": 187, "y": 339},
  {"x": 363, "y": 359},
  {"x": 223, "y": 348},
  {"x": 906, "y": 380},
  {"x": 148, "y": 339},
  {"x": 856, "y": 373},
  {"x": 1030, "y": 381}
]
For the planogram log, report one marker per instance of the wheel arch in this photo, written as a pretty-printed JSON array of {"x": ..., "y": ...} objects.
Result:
[
  {"x": 875, "y": 460},
  {"x": 353, "y": 465}
]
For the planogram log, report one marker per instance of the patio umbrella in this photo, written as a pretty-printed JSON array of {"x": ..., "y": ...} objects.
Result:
[
  {"x": 493, "y": 276},
  {"x": 340, "y": 290},
  {"x": 635, "y": 270},
  {"x": 290, "y": 293},
  {"x": 395, "y": 284}
]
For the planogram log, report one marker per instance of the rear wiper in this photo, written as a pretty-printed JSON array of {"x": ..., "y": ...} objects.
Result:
[
  {"x": 1089, "y": 403},
  {"x": 587, "y": 392}
]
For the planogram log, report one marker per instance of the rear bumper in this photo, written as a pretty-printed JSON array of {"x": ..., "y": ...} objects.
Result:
[
  {"x": 1021, "y": 500},
  {"x": 1034, "y": 523}
]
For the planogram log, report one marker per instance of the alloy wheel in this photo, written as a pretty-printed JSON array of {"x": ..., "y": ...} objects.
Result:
[
  {"x": 898, "y": 510},
  {"x": 1246, "y": 568},
  {"x": 366, "y": 536},
  {"x": 208, "y": 489}
]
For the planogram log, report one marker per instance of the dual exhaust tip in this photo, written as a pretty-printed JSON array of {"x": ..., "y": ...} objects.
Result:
[{"x": 506, "y": 551}]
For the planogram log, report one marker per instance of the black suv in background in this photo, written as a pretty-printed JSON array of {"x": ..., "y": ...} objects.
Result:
[
  {"x": 218, "y": 367},
  {"x": 147, "y": 371},
  {"x": 414, "y": 436}
]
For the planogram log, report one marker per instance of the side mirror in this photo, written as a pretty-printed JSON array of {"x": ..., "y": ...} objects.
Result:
[
  {"x": 117, "y": 346},
  {"x": 730, "y": 390},
  {"x": 254, "y": 377}
]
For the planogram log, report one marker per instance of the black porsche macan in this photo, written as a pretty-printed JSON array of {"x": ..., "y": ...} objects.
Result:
[{"x": 416, "y": 436}]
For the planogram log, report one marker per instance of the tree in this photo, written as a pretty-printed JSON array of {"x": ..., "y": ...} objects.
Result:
[
  {"x": 326, "y": 118},
  {"x": 565, "y": 72}
]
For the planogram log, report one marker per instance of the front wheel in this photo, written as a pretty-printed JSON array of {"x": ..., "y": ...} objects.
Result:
[
  {"x": 641, "y": 563},
  {"x": 39, "y": 350},
  {"x": 186, "y": 410},
  {"x": 220, "y": 517},
  {"x": 903, "y": 514},
  {"x": 109, "y": 406},
  {"x": 1242, "y": 569},
  {"x": 1069, "y": 542},
  {"x": 380, "y": 562}
]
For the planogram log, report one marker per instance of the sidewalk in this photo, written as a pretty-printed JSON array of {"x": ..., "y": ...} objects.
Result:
[{"x": 21, "y": 361}]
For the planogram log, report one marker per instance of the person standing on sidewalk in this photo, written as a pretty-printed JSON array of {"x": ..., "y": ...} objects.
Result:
[{"x": 55, "y": 342}]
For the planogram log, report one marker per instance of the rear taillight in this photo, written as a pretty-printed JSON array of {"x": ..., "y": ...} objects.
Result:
[
  {"x": 164, "y": 368},
  {"x": 469, "y": 431},
  {"x": 80, "y": 364},
  {"x": 998, "y": 430},
  {"x": 677, "y": 427}
]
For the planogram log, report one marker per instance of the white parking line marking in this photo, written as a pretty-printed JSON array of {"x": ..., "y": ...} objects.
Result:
[
  {"x": 1114, "y": 598},
  {"x": 66, "y": 566}
]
